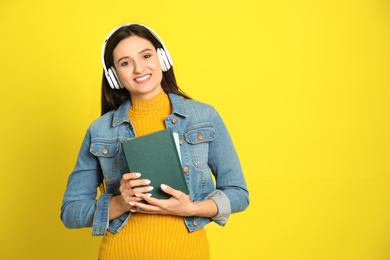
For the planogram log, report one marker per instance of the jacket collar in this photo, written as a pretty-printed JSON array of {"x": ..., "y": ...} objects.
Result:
[
  {"x": 178, "y": 106},
  {"x": 121, "y": 115}
]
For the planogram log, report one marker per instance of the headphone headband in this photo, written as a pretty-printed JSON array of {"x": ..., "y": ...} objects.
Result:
[{"x": 164, "y": 56}]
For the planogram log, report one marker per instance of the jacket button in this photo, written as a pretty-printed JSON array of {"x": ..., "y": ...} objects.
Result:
[
  {"x": 105, "y": 151},
  {"x": 181, "y": 141},
  {"x": 174, "y": 120},
  {"x": 185, "y": 169},
  {"x": 200, "y": 136},
  {"x": 195, "y": 223}
]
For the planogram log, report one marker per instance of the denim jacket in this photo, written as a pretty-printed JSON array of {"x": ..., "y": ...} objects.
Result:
[{"x": 189, "y": 118}]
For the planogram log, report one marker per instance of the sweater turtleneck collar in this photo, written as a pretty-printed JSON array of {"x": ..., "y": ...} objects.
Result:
[{"x": 156, "y": 103}]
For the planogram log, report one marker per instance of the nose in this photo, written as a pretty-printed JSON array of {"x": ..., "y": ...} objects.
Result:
[{"x": 138, "y": 67}]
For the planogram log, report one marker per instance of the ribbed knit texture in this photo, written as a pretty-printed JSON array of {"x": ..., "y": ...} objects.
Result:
[{"x": 150, "y": 237}]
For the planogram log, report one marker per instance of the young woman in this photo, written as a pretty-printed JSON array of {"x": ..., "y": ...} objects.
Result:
[{"x": 140, "y": 96}]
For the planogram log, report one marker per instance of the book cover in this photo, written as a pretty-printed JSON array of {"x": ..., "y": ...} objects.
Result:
[{"x": 156, "y": 157}]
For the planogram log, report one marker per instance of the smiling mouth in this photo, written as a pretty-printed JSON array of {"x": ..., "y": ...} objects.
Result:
[{"x": 146, "y": 77}]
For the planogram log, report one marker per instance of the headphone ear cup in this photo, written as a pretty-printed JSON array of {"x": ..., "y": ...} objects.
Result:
[
  {"x": 160, "y": 58},
  {"x": 113, "y": 79},
  {"x": 109, "y": 80},
  {"x": 163, "y": 60},
  {"x": 117, "y": 81}
]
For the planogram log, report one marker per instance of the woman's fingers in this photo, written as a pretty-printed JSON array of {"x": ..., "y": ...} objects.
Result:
[
  {"x": 174, "y": 193},
  {"x": 178, "y": 204},
  {"x": 141, "y": 190},
  {"x": 131, "y": 176},
  {"x": 130, "y": 185},
  {"x": 150, "y": 207},
  {"x": 136, "y": 183},
  {"x": 131, "y": 179},
  {"x": 127, "y": 191}
]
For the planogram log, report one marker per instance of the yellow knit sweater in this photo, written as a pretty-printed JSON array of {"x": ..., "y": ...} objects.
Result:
[{"x": 149, "y": 237}]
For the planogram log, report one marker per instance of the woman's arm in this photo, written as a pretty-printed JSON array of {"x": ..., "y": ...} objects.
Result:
[
  {"x": 80, "y": 208},
  {"x": 79, "y": 204},
  {"x": 226, "y": 168}
]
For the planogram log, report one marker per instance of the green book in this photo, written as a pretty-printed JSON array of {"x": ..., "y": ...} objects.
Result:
[{"x": 156, "y": 157}]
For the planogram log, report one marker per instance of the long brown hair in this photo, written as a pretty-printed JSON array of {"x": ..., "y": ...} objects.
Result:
[{"x": 113, "y": 98}]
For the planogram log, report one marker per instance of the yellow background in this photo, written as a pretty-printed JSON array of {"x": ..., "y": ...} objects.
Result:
[{"x": 303, "y": 87}]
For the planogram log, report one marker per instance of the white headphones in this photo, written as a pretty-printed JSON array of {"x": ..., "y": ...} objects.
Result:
[{"x": 162, "y": 53}]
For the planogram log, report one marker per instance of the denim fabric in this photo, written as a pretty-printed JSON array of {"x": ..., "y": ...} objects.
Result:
[{"x": 214, "y": 151}]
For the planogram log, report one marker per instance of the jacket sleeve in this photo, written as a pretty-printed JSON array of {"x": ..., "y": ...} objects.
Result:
[
  {"x": 231, "y": 193},
  {"x": 80, "y": 208}
]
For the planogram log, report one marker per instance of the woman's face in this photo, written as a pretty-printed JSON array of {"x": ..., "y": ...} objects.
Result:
[{"x": 138, "y": 67}]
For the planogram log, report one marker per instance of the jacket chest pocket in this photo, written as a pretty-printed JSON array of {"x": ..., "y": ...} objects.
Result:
[
  {"x": 198, "y": 138},
  {"x": 110, "y": 157}
]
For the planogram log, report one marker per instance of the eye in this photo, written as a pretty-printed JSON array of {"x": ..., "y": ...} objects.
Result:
[
  {"x": 125, "y": 63},
  {"x": 146, "y": 56}
]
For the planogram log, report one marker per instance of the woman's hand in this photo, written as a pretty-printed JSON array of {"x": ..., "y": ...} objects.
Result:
[
  {"x": 179, "y": 205},
  {"x": 129, "y": 186}
]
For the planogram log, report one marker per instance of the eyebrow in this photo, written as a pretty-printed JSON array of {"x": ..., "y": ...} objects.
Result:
[{"x": 126, "y": 57}]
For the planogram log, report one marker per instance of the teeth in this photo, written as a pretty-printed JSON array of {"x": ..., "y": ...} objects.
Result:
[{"x": 143, "y": 78}]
